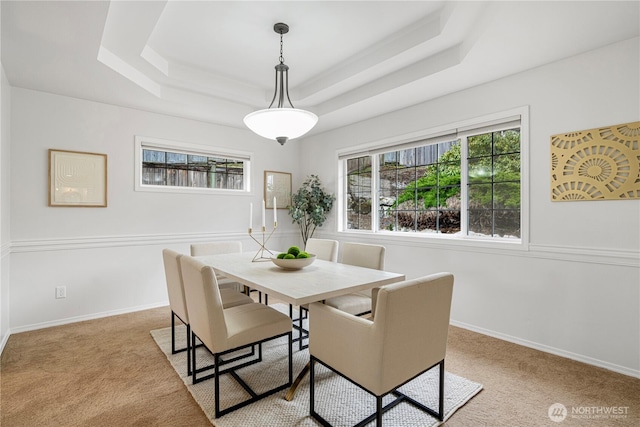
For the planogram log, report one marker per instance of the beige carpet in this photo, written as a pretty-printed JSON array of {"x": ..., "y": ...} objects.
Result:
[
  {"x": 110, "y": 372},
  {"x": 340, "y": 402}
]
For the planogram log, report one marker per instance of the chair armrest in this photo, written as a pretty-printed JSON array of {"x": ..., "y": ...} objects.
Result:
[
  {"x": 343, "y": 341},
  {"x": 374, "y": 301}
]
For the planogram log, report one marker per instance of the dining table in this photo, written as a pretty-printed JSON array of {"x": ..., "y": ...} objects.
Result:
[
  {"x": 316, "y": 282},
  {"x": 319, "y": 281}
]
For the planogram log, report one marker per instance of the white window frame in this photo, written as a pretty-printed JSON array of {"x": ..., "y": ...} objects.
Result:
[
  {"x": 462, "y": 130},
  {"x": 145, "y": 142}
]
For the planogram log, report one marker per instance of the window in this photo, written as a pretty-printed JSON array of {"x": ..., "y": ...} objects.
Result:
[
  {"x": 173, "y": 166},
  {"x": 493, "y": 189},
  {"x": 464, "y": 183},
  {"x": 419, "y": 189},
  {"x": 359, "y": 193}
]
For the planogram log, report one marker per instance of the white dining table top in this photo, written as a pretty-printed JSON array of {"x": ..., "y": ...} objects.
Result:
[{"x": 316, "y": 282}]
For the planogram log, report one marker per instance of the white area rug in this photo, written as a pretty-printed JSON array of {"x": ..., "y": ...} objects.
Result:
[{"x": 337, "y": 400}]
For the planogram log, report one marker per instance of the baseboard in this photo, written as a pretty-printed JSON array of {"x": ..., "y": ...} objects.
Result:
[
  {"x": 4, "y": 340},
  {"x": 552, "y": 350},
  {"x": 92, "y": 316}
]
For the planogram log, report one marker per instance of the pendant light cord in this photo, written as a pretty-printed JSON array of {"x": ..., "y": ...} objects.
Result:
[{"x": 281, "y": 44}]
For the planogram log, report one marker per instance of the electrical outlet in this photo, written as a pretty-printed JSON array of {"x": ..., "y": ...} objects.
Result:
[{"x": 61, "y": 291}]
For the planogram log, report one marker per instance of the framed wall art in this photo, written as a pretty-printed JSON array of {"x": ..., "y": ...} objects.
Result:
[
  {"x": 596, "y": 164},
  {"x": 278, "y": 185},
  {"x": 77, "y": 179}
]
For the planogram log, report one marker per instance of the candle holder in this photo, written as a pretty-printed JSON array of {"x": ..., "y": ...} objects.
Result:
[{"x": 260, "y": 256}]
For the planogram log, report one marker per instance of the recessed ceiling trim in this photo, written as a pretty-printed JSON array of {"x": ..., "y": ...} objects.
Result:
[
  {"x": 191, "y": 78},
  {"x": 153, "y": 58},
  {"x": 420, "y": 70},
  {"x": 123, "y": 68},
  {"x": 374, "y": 61},
  {"x": 124, "y": 49}
]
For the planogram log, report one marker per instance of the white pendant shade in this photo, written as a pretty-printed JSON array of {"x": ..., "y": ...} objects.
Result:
[
  {"x": 274, "y": 123},
  {"x": 281, "y": 123}
]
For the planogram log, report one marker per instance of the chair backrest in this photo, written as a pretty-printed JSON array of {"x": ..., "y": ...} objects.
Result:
[
  {"x": 324, "y": 249},
  {"x": 175, "y": 287},
  {"x": 216, "y": 248},
  {"x": 412, "y": 326},
  {"x": 204, "y": 303},
  {"x": 363, "y": 255}
]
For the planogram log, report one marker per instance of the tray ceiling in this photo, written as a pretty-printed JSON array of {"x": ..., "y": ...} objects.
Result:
[{"x": 349, "y": 60}]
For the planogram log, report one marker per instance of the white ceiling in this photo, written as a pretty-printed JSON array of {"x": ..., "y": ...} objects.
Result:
[{"x": 349, "y": 60}]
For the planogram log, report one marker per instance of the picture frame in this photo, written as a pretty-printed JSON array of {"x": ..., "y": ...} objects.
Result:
[
  {"x": 77, "y": 179},
  {"x": 278, "y": 185}
]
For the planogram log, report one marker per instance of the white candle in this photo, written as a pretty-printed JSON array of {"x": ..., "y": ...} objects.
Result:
[
  {"x": 275, "y": 213},
  {"x": 263, "y": 223},
  {"x": 250, "y": 215}
]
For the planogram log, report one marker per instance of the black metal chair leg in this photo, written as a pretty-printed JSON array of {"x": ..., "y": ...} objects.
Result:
[
  {"x": 254, "y": 397},
  {"x": 380, "y": 409},
  {"x": 189, "y": 350},
  {"x": 441, "y": 398},
  {"x": 173, "y": 333},
  {"x": 193, "y": 358},
  {"x": 312, "y": 384},
  {"x": 290, "y": 357},
  {"x": 216, "y": 389},
  {"x": 301, "y": 331}
]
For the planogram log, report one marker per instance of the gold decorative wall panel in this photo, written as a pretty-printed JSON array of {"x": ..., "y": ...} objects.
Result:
[{"x": 596, "y": 164}]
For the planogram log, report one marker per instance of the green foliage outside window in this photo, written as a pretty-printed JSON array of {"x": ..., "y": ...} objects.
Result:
[
  {"x": 439, "y": 182},
  {"x": 492, "y": 158}
]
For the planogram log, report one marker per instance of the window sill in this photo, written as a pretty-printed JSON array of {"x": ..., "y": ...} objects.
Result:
[
  {"x": 442, "y": 240},
  {"x": 188, "y": 190}
]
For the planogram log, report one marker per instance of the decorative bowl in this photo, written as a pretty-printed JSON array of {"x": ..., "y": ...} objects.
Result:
[{"x": 294, "y": 264}]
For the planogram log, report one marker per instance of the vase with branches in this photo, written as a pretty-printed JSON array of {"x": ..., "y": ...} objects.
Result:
[{"x": 310, "y": 206}]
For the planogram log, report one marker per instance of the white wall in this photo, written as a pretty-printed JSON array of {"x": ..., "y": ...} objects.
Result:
[
  {"x": 110, "y": 258},
  {"x": 575, "y": 292},
  {"x": 5, "y": 219}
]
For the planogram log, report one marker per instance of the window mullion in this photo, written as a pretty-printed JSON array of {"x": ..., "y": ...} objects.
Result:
[
  {"x": 375, "y": 196},
  {"x": 464, "y": 191},
  {"x": 344, "y": 205},
  {"x": 416, "y": 210},
  {"x": 493, "y": 184}
]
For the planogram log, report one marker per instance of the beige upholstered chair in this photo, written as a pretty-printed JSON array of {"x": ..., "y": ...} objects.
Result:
[
  {"x": 362, "y": 255},
  {"x": 324, "y": 249},
  {"x": 177, "y": 302},
  {"x": 407, "y": 338},
  {"x": 217, "y": 248},
  {"x": 223, "y": 331}
]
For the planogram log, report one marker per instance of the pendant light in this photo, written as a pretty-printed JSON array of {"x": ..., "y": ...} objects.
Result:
[{"x": 281, "y": 123}]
